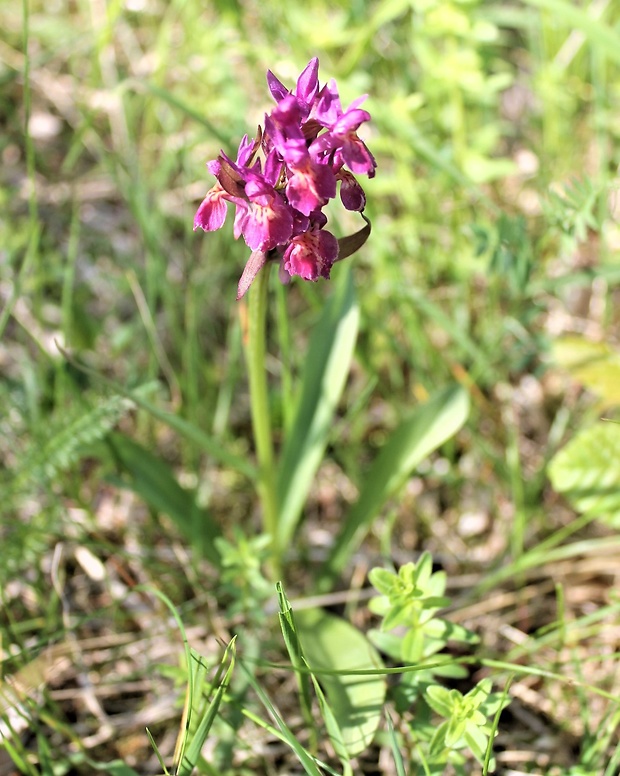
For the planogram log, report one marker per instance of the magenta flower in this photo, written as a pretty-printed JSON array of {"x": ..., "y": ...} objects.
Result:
[
  {"x": 267, "y": 220},
  {"x": 305, "y": 91},
  {"x": 311, "y": 254},
  {"x": 310, "y": 184},
  {"x": 342, "y": 138},
  {"x": 307, "y": 142},
  {"x": 212, "y": 212}
]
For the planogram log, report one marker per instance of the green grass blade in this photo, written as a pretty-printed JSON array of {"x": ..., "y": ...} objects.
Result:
[
  {"x": 282, "y": 731},
  {"x": 488, "y": 755},
  {"x": 293, "y": 646},
  {"x": 432, "y": 424},
  {"x": 192, "y": 751},
  {"x": 446, "y": 320},
  {"x": 45, "y": 756},
  {"x": 603, "y": 36},
  {"x": 189, "y": 701},
  {"x": 209, "y": 444},
  {"x": 18, "y": 757},
  {"x": 152, "y": 480},
  {"x": 114, "y": 768},
  {"x": 196, "y": 672},
  {"x": 398, "y": 758},
  {"x": 614, "y": 762},
  {"x": 155, "y": 748},
  {"x": 183, "y": 107},
  {"x": 327, "y": 366},
  {"x": 333, "y": 728}
]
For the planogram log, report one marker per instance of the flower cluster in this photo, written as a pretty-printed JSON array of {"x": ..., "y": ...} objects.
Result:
[{"x": 308, "y": 144}]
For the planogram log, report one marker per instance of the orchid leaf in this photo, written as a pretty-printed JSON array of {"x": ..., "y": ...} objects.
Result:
[
  {"x": 153, "y": 480},
  {"x": 432, "y": 424},
  {"x": 356, "y": 701},
  {"x": 326, "y": 369}
]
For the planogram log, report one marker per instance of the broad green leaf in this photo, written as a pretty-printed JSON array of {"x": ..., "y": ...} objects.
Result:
[
  {"x": 587, "y": 471},
  {"x": 449, "y": 631},
  {"x": 152, "y": 479},
  {"x": 383, "y": 580},
  {"x": 480, "y": 692},
  {"x": 423, "y": 570},
  {"x": 326, "y": 369},
  {"x": 451, "y": 671},
  {"x": 477, "y": 741},
  {"x": 454, "y": 733},
  {"x": 432, "y": 424},
  {"x": 440, "y": 700},
  {"x": 438, "y": 741},
  {"x": 331, "y": 643},
  {"x": 389, "y": 643},
  {"x": 412, "y": 649},
  {"x": 594, "y": 364}
]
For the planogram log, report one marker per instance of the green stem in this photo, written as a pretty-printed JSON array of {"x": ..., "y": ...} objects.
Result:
[{"x": 259, "y": 403}]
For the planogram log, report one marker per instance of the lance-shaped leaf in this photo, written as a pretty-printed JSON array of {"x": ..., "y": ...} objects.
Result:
[
  {"x": 432, "y": 424},
  {"x": 356, "y": 701},
  {"x": 153, "y": 480},
  {"x": 326, "y": 369}
]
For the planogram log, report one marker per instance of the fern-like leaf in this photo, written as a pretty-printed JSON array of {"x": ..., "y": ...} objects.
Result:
[{"x": 65, "y": 440}]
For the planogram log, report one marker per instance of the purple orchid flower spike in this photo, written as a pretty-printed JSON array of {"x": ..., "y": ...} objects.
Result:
[{"x": 307, "y": 142}]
